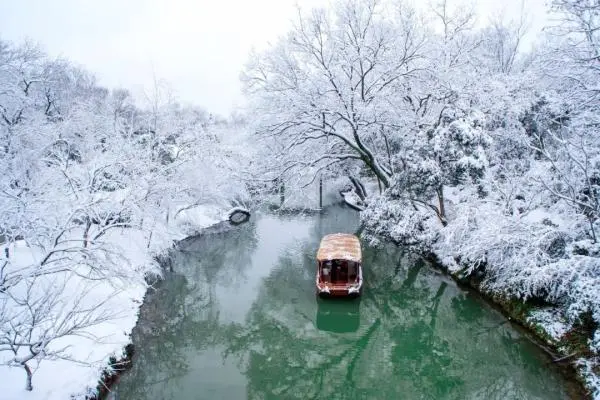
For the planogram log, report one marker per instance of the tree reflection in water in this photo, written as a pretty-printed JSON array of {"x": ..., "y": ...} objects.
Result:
[
  {"x": 180, "y": 316},
  {"x": 339, "y": 316},
  {"x": 413, "y": 334}
]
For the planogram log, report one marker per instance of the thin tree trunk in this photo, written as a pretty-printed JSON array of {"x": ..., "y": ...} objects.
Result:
[
  {"x": 321, "y": 192},
  {"x": 442, "y": 208},
  {"x": 389, "y": 154},
  {"x": 86, "y": 232},
  {"x": 359, "y": 188},
  {"x": 592, "y": 229},
  {"x": 28, "y": 385},
  {"x": 149, "y": 239}
]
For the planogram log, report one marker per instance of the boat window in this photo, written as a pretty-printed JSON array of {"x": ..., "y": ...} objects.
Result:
[
  {"x": 339, "y": 273},
  {"x": 325, "y": 271},
  {"x": 343, "y": 276},
  {"x": 352, "y": 271}
]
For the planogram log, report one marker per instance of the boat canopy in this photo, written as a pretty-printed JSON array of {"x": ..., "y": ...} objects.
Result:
[{"x": 339, "y": 246}]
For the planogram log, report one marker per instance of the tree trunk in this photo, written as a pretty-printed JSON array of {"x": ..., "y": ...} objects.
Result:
[
  {"x": 592, "y": 230},
  {"x": 379, "y": 173},
  {"x": 281, "y": 194},
  {"x": 86, "y": 232},
  {"x": 358, "y": 187},
  {"x": 321, "y": 192},
  {"x": 149, "y": 239},
  {"x": 28, "y": 385},
  {"x": 370, "y": 160},
  {"x": 442, "y": 208}
]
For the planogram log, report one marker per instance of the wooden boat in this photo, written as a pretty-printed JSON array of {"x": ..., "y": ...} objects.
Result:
[{"x": 339, "y": 269}]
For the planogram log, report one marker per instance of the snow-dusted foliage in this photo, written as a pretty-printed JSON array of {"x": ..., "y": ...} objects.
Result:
[
  {"x": 588, "y": 370},
  {"x": 522, "y": 255},
  {"x": 553, "y": 322},
  {"x": 400, "y": 221},
  {"x": 84, "y": 171},
  {"x": 451, "y": 152},
  {"x": 322, "y": 94}
]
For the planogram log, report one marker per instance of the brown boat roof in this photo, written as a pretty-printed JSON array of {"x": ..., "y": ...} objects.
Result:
[{"x": 339, "y": 246}]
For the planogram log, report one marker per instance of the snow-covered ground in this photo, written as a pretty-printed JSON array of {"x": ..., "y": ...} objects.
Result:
[{"x": 86, "y": 353}]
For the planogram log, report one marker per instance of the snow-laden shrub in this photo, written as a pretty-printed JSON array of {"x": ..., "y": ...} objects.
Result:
[
  {"x": 399, "y": 221},
  {"x": 522, "y": 257},
  {"x": 595, "y": 344}
]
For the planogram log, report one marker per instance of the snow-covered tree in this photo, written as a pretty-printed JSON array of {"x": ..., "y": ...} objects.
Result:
[
  {"x": 84, "y": 170},
  {"x": 502, "y": 41},
  {"x": 449, "y": 154},
  {"x": 326, "y": 91}
]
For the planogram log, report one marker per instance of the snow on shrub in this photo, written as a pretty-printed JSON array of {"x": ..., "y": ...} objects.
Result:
[{"x": 399, "y": 221}]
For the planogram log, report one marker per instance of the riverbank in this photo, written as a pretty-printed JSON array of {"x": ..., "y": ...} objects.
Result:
[
  {"x": 563, "y": 323},
  {"x": 101, "y": 350},
  {"x": 543, "y": 324},
  {"x": 116, "y": 366},
  {"x": 533, "y": 267}
]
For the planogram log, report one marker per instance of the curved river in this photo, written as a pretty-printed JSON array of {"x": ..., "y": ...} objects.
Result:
[{"x": 238, "y": 319}]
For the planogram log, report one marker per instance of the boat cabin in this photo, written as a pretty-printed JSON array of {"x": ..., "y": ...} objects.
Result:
[{"x": 339, "y": 270}]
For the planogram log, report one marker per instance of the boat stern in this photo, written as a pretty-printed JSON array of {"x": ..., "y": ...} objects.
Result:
[{"x": 329, "y": 290}]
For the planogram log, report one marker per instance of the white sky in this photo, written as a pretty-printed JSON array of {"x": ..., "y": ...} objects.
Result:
[{"x": 198, "y": 46}]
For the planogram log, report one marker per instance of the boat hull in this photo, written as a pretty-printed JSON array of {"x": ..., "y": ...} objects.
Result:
[
  {"x": 340, "y": 290},
  {"x": 337, "y": 291},
  {"x": 338, "y": 294}
]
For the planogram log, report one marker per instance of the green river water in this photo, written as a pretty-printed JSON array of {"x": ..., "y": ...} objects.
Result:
[{"x": 238, "y": 319}]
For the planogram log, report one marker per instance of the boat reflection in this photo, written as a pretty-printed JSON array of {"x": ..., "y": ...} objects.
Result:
[{"x": 338, "y": 315}]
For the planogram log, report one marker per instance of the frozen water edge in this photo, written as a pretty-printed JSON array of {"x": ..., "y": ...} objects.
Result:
[{"x": 61, "y": 379}]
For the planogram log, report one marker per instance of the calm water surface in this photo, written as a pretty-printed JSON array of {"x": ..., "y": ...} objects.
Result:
[{"x": 238, "y": 319}]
